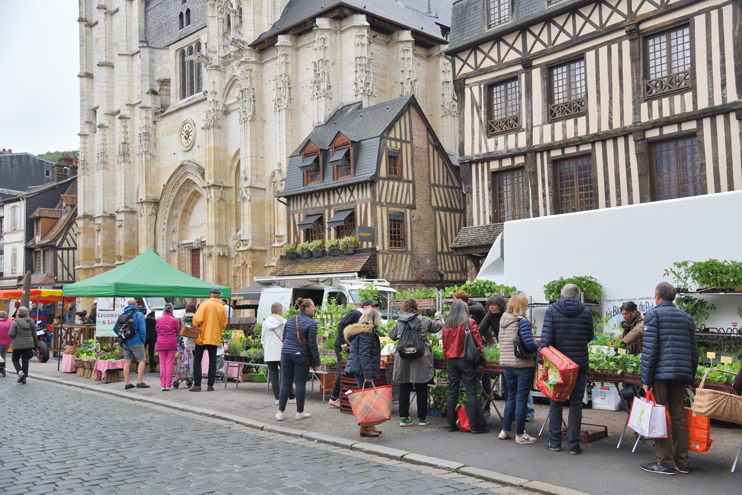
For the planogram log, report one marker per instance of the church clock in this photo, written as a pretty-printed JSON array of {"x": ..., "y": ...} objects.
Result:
[{"x": 187, "y": 134}]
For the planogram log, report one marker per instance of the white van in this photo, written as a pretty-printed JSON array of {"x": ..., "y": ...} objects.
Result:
[
  {"x": 343, "y": 288},
  {"x": 156, "y": 304}
]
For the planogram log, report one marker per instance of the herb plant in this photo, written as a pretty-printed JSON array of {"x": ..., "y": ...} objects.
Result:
[
  {"x": 588, "y": 285},
  {"x": 698, "y": 308}
]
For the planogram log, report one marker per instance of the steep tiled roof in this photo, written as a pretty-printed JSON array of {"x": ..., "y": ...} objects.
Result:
[
  {"x": 412, "y": 14},
  {"x": 363, "y": 126},
  {"x": 469, "y": 19},
  {"x": 481, "y": 235},
  {"x": 335, "y": 264}
]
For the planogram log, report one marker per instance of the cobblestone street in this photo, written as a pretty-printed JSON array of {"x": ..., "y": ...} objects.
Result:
[{"x": 57, "y": 439}]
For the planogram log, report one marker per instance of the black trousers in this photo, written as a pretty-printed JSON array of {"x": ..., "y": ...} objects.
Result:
[
  {"x": 458, "y": 368},
  {"x": 275, "y": 383},
  {"x": 24, "y": 356},
  {"x": 336, "y": 388},
  {"x": 198, "y": 355},
  {"x": 421, "y": 389},
  {"x": 150, "y": 344}
]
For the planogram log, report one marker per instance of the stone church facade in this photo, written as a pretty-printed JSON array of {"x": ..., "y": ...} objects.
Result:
[{"x": 191, "y": 108}]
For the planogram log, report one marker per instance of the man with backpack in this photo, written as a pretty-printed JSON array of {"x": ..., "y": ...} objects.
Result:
[
  {"x": 341, "y": 345},
  {"x": 132, "y": 331}
]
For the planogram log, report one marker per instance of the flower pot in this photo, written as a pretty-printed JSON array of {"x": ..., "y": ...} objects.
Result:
[
  {"x": 319, "y": 253},
  {"x": 334, "y": 252},
  {"x": 306, "y": 255},
  {"x": 293, "y": 256},
  {"x": 350, "y": 250}
]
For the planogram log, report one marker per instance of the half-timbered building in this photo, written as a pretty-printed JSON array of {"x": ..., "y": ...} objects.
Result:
[
  {"x": 384, "y": 168},
  {"x": 573, "y": 105}
]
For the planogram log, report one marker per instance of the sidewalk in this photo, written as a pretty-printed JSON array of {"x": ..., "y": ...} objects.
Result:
[{"x": 600, "y": 469}]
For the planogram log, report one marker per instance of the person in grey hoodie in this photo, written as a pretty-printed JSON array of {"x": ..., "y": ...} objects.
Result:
[{"x": 23, "y": 333}]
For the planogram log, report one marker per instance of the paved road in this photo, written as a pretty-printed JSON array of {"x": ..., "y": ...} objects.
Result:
[{"x": 58, "y": 439}]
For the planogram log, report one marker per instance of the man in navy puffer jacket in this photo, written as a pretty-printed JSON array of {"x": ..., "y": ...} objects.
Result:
[
  {"x": 568, "y": 327},
  {"x": 669, "y": 364}
]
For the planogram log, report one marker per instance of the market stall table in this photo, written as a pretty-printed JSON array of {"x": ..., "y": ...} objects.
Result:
[
  {"x": 68, "y": 363},
  {"x": 232, "y": 371},
  {"x": 102, "y": 367}
]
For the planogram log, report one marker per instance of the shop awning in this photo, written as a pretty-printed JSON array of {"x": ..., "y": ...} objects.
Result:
[
  {"x": 338, "y": 155},
  {"x": 308, "y": 221},
  {"x": 308, "y": 162},
  {"x": 251, "y": 293},
  {"x": 339, "y": 218},
  {"x": 42, "y": 296}
]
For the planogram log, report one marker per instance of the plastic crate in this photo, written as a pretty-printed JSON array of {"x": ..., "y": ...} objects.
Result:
[
  {"x": 606, "y": 399},
  {"x": 594, "y": 433}
]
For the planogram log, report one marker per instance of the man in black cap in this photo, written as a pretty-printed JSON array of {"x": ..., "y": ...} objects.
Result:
[{"x": 341, "y": 345}]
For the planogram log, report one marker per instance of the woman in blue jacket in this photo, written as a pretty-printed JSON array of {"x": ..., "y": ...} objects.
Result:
[
  {"x": 299, "y": 353},
  {"x": 364, "y": 358}
]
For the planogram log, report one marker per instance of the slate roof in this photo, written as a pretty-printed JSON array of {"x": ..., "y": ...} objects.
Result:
[
  {"x": 469, "y": 17},
  {"x": 412, "y": 14},
  {"x": 335, "y": 264},
  {"x": 481, "y": 235},
  {"x": 364, "y": 127}
]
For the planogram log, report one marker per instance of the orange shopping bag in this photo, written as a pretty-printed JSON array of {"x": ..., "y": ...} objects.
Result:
[
  {"x": 372, "y": 406},
  {"x": 699, "y": 429}
]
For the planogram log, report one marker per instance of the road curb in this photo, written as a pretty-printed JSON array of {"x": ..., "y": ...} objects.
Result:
[{"x": 369, "y": 448}]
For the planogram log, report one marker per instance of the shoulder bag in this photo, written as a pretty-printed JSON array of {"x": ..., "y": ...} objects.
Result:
[
  {"x": 471, "y": 352},
  {"x": 519, "y": 347},
  {"x": 303, "y": 341}
]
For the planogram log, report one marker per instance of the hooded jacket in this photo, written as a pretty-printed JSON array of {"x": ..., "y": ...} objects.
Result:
[
  {"x": 271, "y": 337},
  {"x": 211, "y": 319},
  {"x": 418, "y": 370},
  {"x": 23, "y": 333},
  {"x": 364, "y": 357},
  {"x": 349, "y": 319},
  {"x": 670, "y": 351},
  {"x": 510, "y": 326},
  {"x": 568, "y": 327},
  {"x": 139, "y": 325}
]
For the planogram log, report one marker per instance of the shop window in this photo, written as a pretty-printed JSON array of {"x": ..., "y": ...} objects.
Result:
[
  {"x": 677, "y": 169},
  {"x": 511, "y": 195},
  {"x": 668, "y": 61},
  {"x": 567, "y": 89},
  {"x": 575, "y": 185},
  {"x": 396, "y": 231}
]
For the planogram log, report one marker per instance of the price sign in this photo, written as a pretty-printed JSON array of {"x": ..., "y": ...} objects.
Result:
[
  {"x": 726, "y": 360},
  {"x": 498, "y": 346},
  {"x": 711, "y": 355},
  {"x": 621, "y": 351}
]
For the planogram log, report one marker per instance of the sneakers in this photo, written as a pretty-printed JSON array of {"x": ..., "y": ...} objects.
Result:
[
  {"x": 423, "y": 422},
  {"x": 292, "y": 400},
  {"x": 127, "y": 387},
  {"x": 530, "y": 417},
  {"x": 302, "y": 415},
  {"x": 165, "y": 389},
  {"x": 142, "y": 385},
  {"x": 487, "y": 413},
  {"x": 576, "y": 451},
  {"x": 335, "y": 403},
  {"x": 524, "y": 439},
  {"x": 479, "y": 431},
  {"x": 553, "y": 448},
  {"x": 405, "y": 422},
  {"x": 20, "y": 377},
  {"x": 657, "y": 468},
  {"x": 503, "y": 435},
  {"x": 280, "y": 416},
  {"x": 682, "y": 469},
  {"x": 278, "y": 401}
]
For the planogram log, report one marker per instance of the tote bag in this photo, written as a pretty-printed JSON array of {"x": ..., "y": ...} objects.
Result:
[
  {"x": 560, "y": 375},
  {"x": 372, "y": 406},
  {"x": 647, "y": 418}
]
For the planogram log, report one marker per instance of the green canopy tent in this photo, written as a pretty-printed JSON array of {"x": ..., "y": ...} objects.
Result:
[{"x": 147, "y": 275}]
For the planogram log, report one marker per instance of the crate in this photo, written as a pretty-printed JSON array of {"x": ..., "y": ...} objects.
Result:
[
  {"x": 606, "y": 399},
  {"x": 594, "y": 433}
]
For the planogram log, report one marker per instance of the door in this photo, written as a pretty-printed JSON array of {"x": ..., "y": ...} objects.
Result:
[{"x": 196, "y": 263}]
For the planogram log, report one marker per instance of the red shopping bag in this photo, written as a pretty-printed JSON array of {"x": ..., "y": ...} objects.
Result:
[
  {"x": 560, "y": 377},
  {"x": 372, "y": 406},
  {"x": 463, "y": 419},
  {"x": 699, "y": 431}
]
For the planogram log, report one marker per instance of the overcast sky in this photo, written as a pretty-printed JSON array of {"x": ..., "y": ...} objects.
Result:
[{"x": 39, "y": 89}]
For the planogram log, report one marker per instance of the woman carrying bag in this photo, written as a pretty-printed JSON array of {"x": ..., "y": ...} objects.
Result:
[
  {"x": 24, "y": 341},
  {"x": 414, "y": 372},
  {"x": 299, "y": 353},
  {"x": 518, "y": 356}
]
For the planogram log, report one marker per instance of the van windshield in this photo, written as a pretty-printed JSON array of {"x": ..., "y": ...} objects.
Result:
[
  {"x": 158, "y": 303},
  {"x": 383, "y": 305}
]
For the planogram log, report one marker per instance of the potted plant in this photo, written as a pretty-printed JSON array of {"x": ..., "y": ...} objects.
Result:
[
  {"x": 348, "y": 244},
  {"x": 333, "y": 247},
  {"x": 245, "y": 356},
  {"x": 304, "y": 248},
  {"x": 318, "y": 248},
  {"x": 233, "y": 350},
  {"x": 290, "y": 251}
]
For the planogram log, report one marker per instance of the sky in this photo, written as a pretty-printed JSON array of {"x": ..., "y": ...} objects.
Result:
[{"x": 39, "y": 88}]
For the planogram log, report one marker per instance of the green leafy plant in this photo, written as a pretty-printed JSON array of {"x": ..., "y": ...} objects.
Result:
[
  {"x": 303, "y": 247},
  {"x": 605, "y": 339},
  {"x": 316, "y": 246},
  {"x": 480, "y": 288},
  {"x": 438, "y": 354},
  {"x": 333, "y": 244},
  {"x": 422, "y": 293},
  {"x": 437, "y": 397},
  {"x": 698, "y": 308},
  {"x": 739, "y": 311},
  {"x": 588, "y": 285},
  {"x": 329, "y": 361},
  {"x": 348, "y": 242},
  {"x": 289, "y": 249},
  {"x": 679, "y": 273},
  {"x": 369, "y": 291},
  {"x": 718, "y": 274},
  {"x": 235, "y": 347},
  {"x": 226, "y": 334},
  {"x": 492, "y": 354}
]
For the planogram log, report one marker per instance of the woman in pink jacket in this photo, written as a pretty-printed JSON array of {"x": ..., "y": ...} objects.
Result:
[{"x": 168, "y": 329}]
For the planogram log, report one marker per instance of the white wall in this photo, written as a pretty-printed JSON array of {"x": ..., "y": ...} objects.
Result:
[{"x": 627, "y": 249}]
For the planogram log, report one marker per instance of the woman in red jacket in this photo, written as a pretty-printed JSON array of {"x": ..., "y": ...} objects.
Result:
[
  {"x": 168, "y": 329},
  {"x": 454, "y": 331}
]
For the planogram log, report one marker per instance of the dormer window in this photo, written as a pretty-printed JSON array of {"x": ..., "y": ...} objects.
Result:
[
  {"x": 311, "y": 164},
  {"x": 342, "y": 158}
]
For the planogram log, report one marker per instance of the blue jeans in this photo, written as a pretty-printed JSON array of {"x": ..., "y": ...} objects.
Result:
[
  {"x": 293, "y": 366},
  {"x": 575, "y": 415},
  {"x": 529, "y": 405},
  {"x": 519, "y": 382},
  {"x": 360, "y": 381},
  {"x": 70, "y": 317}
]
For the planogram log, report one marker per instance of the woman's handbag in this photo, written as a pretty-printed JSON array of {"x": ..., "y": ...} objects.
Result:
[
  {"x": 189, "y": 331},
  {"x": 520, "y": 349},
  {"x": 371, "y": 406},
  {"x": 303, "y": 341},
  {"x": 471, "y": 351}
]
